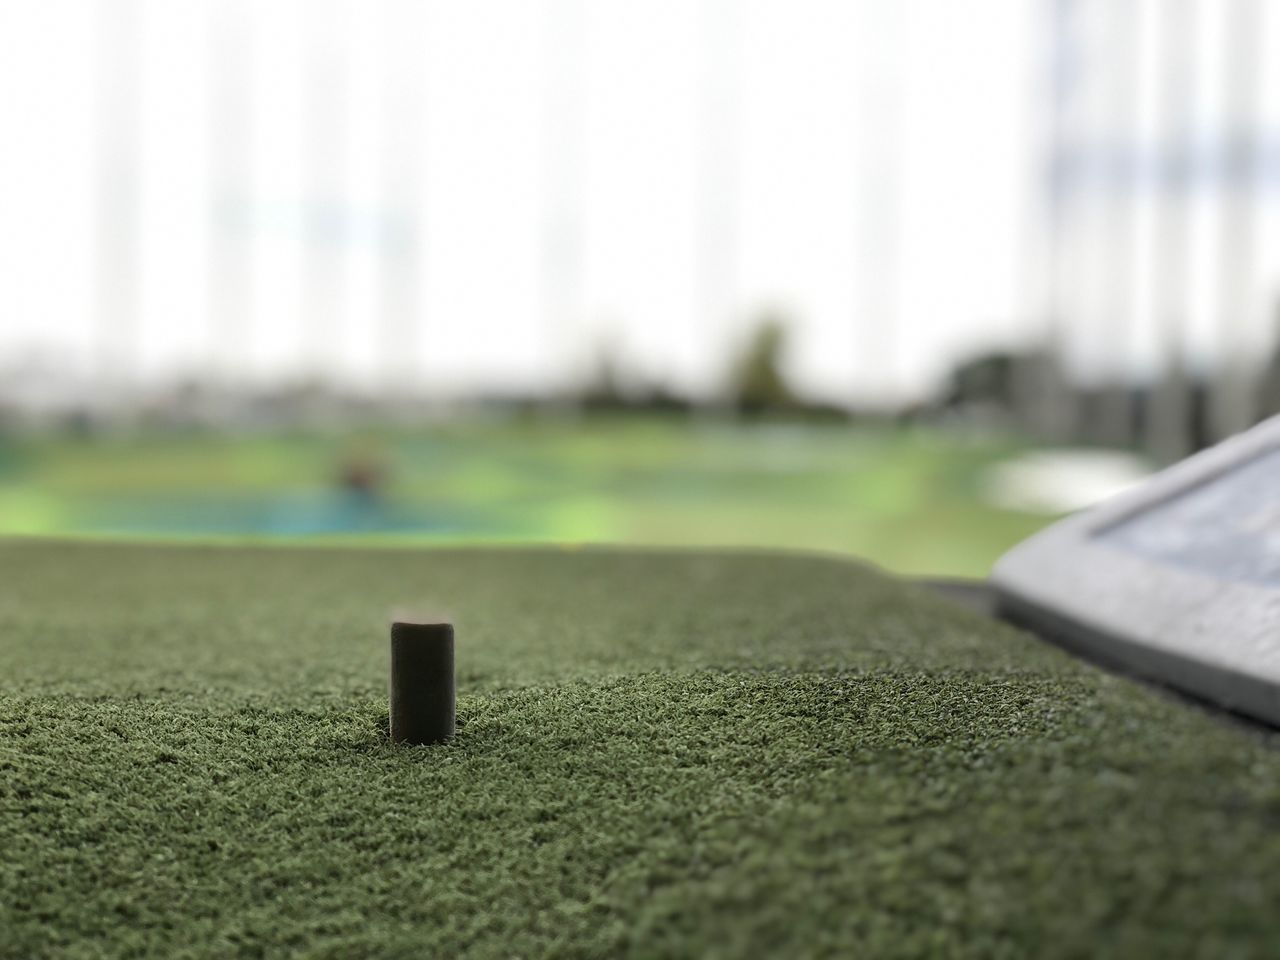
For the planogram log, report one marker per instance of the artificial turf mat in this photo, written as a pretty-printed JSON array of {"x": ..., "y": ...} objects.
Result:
[{"x": 659, "y": 754}]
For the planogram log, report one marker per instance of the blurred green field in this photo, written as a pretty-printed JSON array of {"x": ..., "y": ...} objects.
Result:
[{"x": 908, "y": 500}]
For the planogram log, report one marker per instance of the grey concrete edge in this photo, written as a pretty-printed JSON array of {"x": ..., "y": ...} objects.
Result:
[{"x": 1215, "y": 640}]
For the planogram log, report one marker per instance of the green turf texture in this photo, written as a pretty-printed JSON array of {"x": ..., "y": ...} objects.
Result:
[{"x": 659, "y": 755}]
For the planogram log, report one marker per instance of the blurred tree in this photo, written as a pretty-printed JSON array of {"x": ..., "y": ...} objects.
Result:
[
  {"x": 612, "y": 388},
  {"x": 986, "y": 380},
  {"x": 758, "y": 384},
  {"x": 1026, "y": 389},
  {"x": 603, "y": 391}
]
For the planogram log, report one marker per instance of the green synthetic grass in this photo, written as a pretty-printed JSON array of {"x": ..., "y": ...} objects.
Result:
[{"x": 659, "y": 754}]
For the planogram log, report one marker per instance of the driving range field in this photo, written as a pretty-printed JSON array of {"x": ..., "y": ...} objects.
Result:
[
  {"x": 658, "y": 754},
  {"x": 912, "y": 500}
]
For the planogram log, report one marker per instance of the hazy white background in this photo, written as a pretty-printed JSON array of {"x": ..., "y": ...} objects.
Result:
[{"x": 579, "y": 175}]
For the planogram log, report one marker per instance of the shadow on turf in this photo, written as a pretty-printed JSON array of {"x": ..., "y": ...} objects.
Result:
[{"x": 380, "y": 725}]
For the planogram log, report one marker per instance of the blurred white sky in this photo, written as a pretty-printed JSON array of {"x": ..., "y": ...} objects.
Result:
[
  {"x": 642, "y": 177},
  {"x": 659, "y": 171}
]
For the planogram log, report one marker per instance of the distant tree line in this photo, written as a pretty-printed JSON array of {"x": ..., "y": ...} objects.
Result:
[
  {"x": 1029, "y": 392},
  {"x": 755, "y": 384}
]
